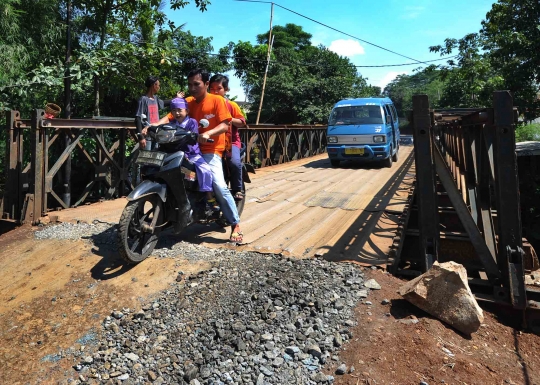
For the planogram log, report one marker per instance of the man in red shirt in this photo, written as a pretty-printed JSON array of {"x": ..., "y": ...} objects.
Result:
[{"x": 203, "y": 105}]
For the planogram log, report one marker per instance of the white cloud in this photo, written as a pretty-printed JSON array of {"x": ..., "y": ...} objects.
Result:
[
  {"x": 389, "y": 77},
  {"x": 346, "y": 47},
  {"x": 412, "y": 12}
]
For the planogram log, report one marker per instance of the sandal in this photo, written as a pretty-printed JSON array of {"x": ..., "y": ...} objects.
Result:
[
  {"x": 236, "y": 237},
  {"x": 212, "y": 204},
  {"x": 238, "y": 196}
]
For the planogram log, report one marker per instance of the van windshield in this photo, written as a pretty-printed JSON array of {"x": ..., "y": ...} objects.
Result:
[{"x": 355, "y": 115}]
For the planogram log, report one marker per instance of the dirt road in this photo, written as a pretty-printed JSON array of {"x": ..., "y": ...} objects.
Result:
[{"x": 54, "y": 292}]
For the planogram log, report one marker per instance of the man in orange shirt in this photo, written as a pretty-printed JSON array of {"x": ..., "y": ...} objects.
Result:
[{"x": 203, "y": 105}]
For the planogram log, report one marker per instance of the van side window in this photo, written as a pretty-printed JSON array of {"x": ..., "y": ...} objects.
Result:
[
  {"x": 394, "y": 111},
  {"x": 387, "y": 112}
]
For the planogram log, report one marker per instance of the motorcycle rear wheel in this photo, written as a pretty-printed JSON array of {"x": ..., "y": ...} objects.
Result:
[{"x": 135, "y": 244}]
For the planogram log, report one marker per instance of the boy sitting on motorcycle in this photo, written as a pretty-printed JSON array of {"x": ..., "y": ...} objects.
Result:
[{"x": 182, "y": 121}]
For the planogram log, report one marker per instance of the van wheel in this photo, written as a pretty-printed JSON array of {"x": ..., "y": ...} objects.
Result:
[
  {"x": 388, "y": 161},
  {"x": 395, "y": 157},
  {"x": 334, "y": 162}
]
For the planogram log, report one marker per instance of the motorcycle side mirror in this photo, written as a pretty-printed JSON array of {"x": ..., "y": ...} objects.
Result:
[{"x": 203, "y": 123}]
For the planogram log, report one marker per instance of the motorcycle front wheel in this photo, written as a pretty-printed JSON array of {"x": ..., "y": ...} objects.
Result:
[{"x": 135, "y": 237}]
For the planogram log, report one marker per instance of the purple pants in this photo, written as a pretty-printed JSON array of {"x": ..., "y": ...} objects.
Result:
[{"x": 204, "y": 174}]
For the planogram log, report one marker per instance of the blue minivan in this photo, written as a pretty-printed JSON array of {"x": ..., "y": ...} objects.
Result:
[{"x": 363, "y": 129}]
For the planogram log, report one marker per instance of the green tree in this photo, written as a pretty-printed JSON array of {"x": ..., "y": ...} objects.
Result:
[
  {"x": 290, "y": 36},
  {"x": 470, "y": 77},
  {"x": 511, "y": 34},
  {"x": 505, "y": 54},
  {"x": 304, "y": 81},
  {"x": 403, "y": 87}
]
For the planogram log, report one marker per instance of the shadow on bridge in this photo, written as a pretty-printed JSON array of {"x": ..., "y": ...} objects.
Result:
[
  {"x": 111, "y": 264},
  {"x": 196, "y": 234},
  {"x": 349, "y": 164},
  {"x": 358, "y": 243}
]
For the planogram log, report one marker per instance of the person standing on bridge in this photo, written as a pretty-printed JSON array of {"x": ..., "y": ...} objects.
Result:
[
  {"x": 149, "y": 105},
  {"x": 203, "y": 105}
]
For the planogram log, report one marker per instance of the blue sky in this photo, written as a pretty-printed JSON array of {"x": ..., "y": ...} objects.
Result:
[{"x": 408, "y": 27}]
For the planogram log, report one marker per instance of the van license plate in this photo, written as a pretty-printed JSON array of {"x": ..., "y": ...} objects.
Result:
[{"x": 354, "y": 151}]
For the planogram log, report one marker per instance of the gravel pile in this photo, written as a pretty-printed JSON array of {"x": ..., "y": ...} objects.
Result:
[
  {"x": 96, "y": 231},
  {"x": 105, "y": 235},
  {"x": 251, "y": 319}
]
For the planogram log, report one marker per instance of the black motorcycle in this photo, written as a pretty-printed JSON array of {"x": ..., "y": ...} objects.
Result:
[{"x": 169, "y": 195}]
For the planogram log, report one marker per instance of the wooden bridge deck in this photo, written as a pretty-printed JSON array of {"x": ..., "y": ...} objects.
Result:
[{"x": 304, "y": 208}]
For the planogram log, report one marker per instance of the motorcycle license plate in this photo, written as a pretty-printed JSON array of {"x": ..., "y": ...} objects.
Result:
[
  {"x": 150, "y": 158},
  {"x": 354, "y": 151}
]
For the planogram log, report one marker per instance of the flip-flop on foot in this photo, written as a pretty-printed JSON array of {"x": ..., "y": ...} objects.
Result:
[{"x": 236, "y": 237}]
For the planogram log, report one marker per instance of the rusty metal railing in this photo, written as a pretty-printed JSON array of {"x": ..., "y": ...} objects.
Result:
[
  {"x": 38, "y": 150},
  {"x": 466, "y": 168}
]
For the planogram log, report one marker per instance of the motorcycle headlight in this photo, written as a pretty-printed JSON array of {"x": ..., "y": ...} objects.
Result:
[
  {"x": 164, "y": 136},
  {"x": 379, "y": 139},
  {"x": 332, "y": 139}
]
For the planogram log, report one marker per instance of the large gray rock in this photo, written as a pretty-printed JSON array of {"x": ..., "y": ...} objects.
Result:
[{"x": 444, "y": 293}]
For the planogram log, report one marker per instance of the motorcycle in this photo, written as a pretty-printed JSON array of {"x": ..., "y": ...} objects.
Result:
[{"x": 169, "y": 194}]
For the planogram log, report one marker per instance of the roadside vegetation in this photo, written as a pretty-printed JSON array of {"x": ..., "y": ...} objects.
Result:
[
  {"x": 91, "y": 57},
  {"x": 503, "y": 55}
]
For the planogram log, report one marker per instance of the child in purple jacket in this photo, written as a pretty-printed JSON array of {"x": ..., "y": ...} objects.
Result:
[{"x": 179, "y": 110}]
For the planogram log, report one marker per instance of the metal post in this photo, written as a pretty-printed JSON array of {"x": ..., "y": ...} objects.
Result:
[
  {"x": 39, "y": 155},
  {"x": 510, "y": 250},
  {"x": 122, "y": 163},
  {"x": 428, "y": 217},
  {"x": 14, "y": 146}
]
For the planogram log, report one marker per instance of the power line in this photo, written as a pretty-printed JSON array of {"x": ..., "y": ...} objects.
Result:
[
  {"x": 140, "y": 41},
  {"x": 332, "y": 28},
  {"x": 322, "y": 65}
]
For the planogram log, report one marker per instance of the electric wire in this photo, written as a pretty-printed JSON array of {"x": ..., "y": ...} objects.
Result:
[{"x": 330, "y": 27}]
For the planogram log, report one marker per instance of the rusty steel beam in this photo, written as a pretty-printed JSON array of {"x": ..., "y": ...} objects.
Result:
[
  {"x": 89, "y": 123},
  {"x": 474, "y": 158},
  {"x": 39, "y": 163},
  {"x": 510, "y": 250},
  {"x": 266, "y": 145},
  {"x": 425, "y": 182},
  {"x": 466, "y": 219},
  {"x": 13, "y": 197}
]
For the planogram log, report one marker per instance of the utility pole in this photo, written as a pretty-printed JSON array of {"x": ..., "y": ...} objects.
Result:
[
  {"x": 270, "y": 44},
  {"x": 66, "y": 193}
]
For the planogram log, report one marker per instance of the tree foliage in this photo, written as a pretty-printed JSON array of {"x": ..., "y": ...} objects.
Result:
[
  {"x": 115, "y": 44},
  {"x": 303, "y": 82},
  {"x": 504, "y": 54},
  {"x": 403, "y": 87}
]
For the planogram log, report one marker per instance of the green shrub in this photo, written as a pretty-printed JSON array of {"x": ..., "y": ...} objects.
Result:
[{"x": 529, "y": 132}]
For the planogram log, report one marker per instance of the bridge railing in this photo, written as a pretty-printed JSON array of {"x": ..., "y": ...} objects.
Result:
[
  {"x": 470, "y": 153},
  {"x": 49, "y": 161}
]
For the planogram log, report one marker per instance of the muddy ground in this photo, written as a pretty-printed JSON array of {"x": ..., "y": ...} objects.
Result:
[
  {"x": 389, "y": 348},
  {"x": 42, "y": 320}
]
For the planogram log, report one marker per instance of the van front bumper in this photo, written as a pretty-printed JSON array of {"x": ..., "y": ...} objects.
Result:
[{"x": 371, "y": 152}]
